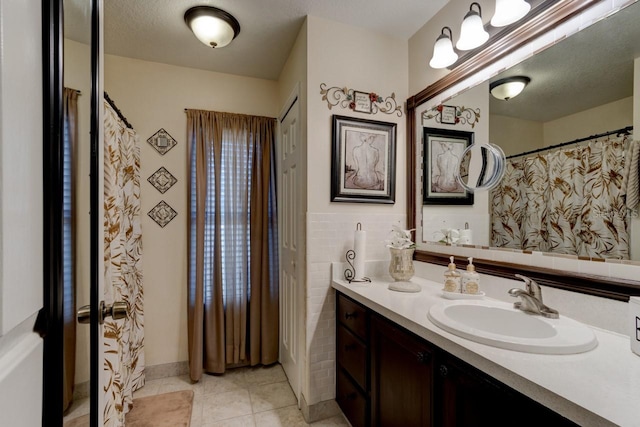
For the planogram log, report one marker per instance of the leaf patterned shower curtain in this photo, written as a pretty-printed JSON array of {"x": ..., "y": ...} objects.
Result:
[
  {"x": 566, "y": 201},
  {"x": 123, "y": 339}
]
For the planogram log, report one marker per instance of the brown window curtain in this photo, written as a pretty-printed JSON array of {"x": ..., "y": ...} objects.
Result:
[
  {"x": 70, "y": 139},
  {"x": 233, "y": 264}
]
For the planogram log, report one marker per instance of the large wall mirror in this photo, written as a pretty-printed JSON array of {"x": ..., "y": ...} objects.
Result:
[{"x": 568, "y": 138}]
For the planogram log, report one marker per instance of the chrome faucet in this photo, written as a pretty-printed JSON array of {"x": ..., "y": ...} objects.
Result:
[{"x": 531, "y": 299}]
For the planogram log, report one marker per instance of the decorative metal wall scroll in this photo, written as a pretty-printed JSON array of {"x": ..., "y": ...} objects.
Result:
[
  {"x": 452, "y": 115},
  {"x": 162, "y": 180},
  {"x": 162, "y": 141},
  {"x": 363, "y": 102},
  {"x": 162, "y": 213}
]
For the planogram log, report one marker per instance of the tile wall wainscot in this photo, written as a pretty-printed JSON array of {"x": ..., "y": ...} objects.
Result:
[{"x": 329, "y": 237}]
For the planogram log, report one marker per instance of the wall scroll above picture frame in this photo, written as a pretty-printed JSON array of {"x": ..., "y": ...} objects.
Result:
[
  {"x": 363, "y": 166},
  {"x": 443, "y": 150}
]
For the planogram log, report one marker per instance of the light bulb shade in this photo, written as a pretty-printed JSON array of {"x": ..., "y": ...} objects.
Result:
[
  {"x": 505, "y": 89},
  {"x": 443, "y": 54},
  {"x": 472, "y": 32},
  {"x": 212, "y": 26},
  {"x": 509, "y": 11}
]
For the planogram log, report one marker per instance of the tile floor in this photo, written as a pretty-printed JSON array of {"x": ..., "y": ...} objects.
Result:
[{"x": 243, "y": 397}]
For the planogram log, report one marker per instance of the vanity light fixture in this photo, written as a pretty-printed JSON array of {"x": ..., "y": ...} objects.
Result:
[
  {"x": 472, "y": 32},
  {"x": 507, "y": 88},
  {"x": 443, "y": 54},
  {"x": 212, "y": 26},
  {"x": 509, "y": 11}
]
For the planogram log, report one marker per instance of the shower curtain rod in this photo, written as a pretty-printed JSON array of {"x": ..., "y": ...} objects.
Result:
[
  {"x": 626, "y": 130},
  {"x": 113, "y": 105}
]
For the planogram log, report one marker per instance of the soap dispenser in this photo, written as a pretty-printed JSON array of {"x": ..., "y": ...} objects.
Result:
[
  {"x": 452, "y": 278},
  {"x": 470, "y": 279}
]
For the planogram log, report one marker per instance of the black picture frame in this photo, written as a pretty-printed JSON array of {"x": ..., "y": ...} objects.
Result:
[
  {"x": 355, "y": 140},
  {"x": 443, "y": 150},
  {"x": 448, "y": 114}
]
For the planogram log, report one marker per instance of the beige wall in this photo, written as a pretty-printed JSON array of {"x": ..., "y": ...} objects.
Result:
[
  {"x": 611, "y": 116},
  {"x": 154, "y": 96},
  {"x": 77, "y": 75},
  {"x": 343, "y": 56},
  {"x": 513, "y": 135}
]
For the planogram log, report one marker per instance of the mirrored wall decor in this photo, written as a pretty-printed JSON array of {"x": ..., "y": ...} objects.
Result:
[
  {"x": 567, "y": 138},
  {"x": 162, "y": 141},
  {"x": 162, "y": 213},
  {"x": 162, "y": 180}
]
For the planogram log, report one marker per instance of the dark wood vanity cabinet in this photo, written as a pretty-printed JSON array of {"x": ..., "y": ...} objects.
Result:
[
  {"x": 401, "y": 376},
  {"x": 388, "y": 376}
]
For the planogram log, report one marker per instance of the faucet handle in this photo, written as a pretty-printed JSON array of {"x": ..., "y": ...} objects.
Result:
[{"x": 531, "y": 286}]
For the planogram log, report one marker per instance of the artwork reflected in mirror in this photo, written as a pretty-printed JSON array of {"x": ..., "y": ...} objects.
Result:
[
  {"x": 444, "y": 150},
  {"x": 570, "y": 185}
]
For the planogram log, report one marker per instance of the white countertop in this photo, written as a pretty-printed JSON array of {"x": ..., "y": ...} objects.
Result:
[{"x": 597, "y": 388}]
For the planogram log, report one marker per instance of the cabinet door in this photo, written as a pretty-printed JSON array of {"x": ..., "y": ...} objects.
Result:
[
  {"x": 469, "y": 398},
  {"x": 401, "y": 377}
]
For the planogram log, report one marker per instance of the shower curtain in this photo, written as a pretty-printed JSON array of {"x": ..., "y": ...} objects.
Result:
[
  {"x": 123, "y": 339},
  {"x": 566, "y": 201}
]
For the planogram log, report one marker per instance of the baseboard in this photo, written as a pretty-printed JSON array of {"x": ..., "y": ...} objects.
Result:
[
  {"x": 165, "y": 370},
  {"x": 318, "y": 411}
]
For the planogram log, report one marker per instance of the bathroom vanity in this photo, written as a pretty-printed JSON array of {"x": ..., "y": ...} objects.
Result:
[{"x": 395, "y": 367}]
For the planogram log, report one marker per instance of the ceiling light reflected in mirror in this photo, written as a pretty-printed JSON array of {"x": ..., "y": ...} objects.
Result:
[{"x": 510, "y": 87}]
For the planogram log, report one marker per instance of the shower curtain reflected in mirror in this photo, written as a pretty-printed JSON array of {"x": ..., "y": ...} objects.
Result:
[{"x": 571, "y": 200}]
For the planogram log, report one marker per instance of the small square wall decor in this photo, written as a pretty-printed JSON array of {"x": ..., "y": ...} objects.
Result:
[
  {"x": 162, "y": 141},
  {"x": 162, "y": 180},
  {"x": 162, "y": 213}
]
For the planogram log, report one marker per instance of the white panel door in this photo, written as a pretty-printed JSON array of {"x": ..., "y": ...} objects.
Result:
[
  {"x": 21, "y": 211},
  {"x": 291, "y": 256}
]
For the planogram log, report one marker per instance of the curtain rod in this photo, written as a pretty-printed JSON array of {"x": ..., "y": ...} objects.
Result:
[
  {"x": 113, "y": 105},
  {"x": 626, "y": 130}
]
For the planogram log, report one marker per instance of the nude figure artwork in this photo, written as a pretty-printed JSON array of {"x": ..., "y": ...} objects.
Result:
[
  {"x": 443, "y": 174},
  {"x": 367, "y": 168}
]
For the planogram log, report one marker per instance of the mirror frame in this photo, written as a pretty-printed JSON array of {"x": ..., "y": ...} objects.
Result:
[{"x": 541, "y": 21}]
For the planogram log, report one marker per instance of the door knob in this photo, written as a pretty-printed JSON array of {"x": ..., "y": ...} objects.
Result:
[{"x": 117, "y": 311}]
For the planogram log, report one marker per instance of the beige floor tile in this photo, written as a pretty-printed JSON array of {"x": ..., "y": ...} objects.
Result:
[
  {"x": 267, "y": 397},
  {"x": 196, "y": 411},
  {"x": 246, "y": 421},
  {"x": 222, "y": 406},
  {"x": 183, "y": 382},
  {"x": 283, "y": 417},
  {"x": 337, "y": 421},
  {"x": 150, "y": 388},
  {"x": 231, "y": 380},
  {"x": 265, "y": 375}
]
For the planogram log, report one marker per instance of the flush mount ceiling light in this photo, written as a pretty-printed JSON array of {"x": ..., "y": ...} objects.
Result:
[
  {"x": 505, "y": 89},
  {"x": 472, "y": 32},
  {"x": 212, "y": 26},
  {"x": 509, "y": 11},
  {"x": 443, "y": 54}
]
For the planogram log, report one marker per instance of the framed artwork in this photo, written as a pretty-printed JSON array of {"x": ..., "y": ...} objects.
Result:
[
  {"x": 363, "y": 166},
  {"x": 442, "y": 155}
]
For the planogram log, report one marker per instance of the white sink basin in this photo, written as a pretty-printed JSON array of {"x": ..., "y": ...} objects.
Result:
[{"x": 498, "y": 324}]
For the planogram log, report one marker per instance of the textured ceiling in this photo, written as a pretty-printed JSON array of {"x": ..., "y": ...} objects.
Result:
[
  {"x": 154, "y": 30},
  {"x": 588, "y": 69}
]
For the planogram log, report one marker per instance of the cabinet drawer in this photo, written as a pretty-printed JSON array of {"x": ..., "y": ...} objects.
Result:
[
  {"x": 353, "y": 316},
  {"x": 350, "y": 400},
  {"x": 352, "y": 356}
]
